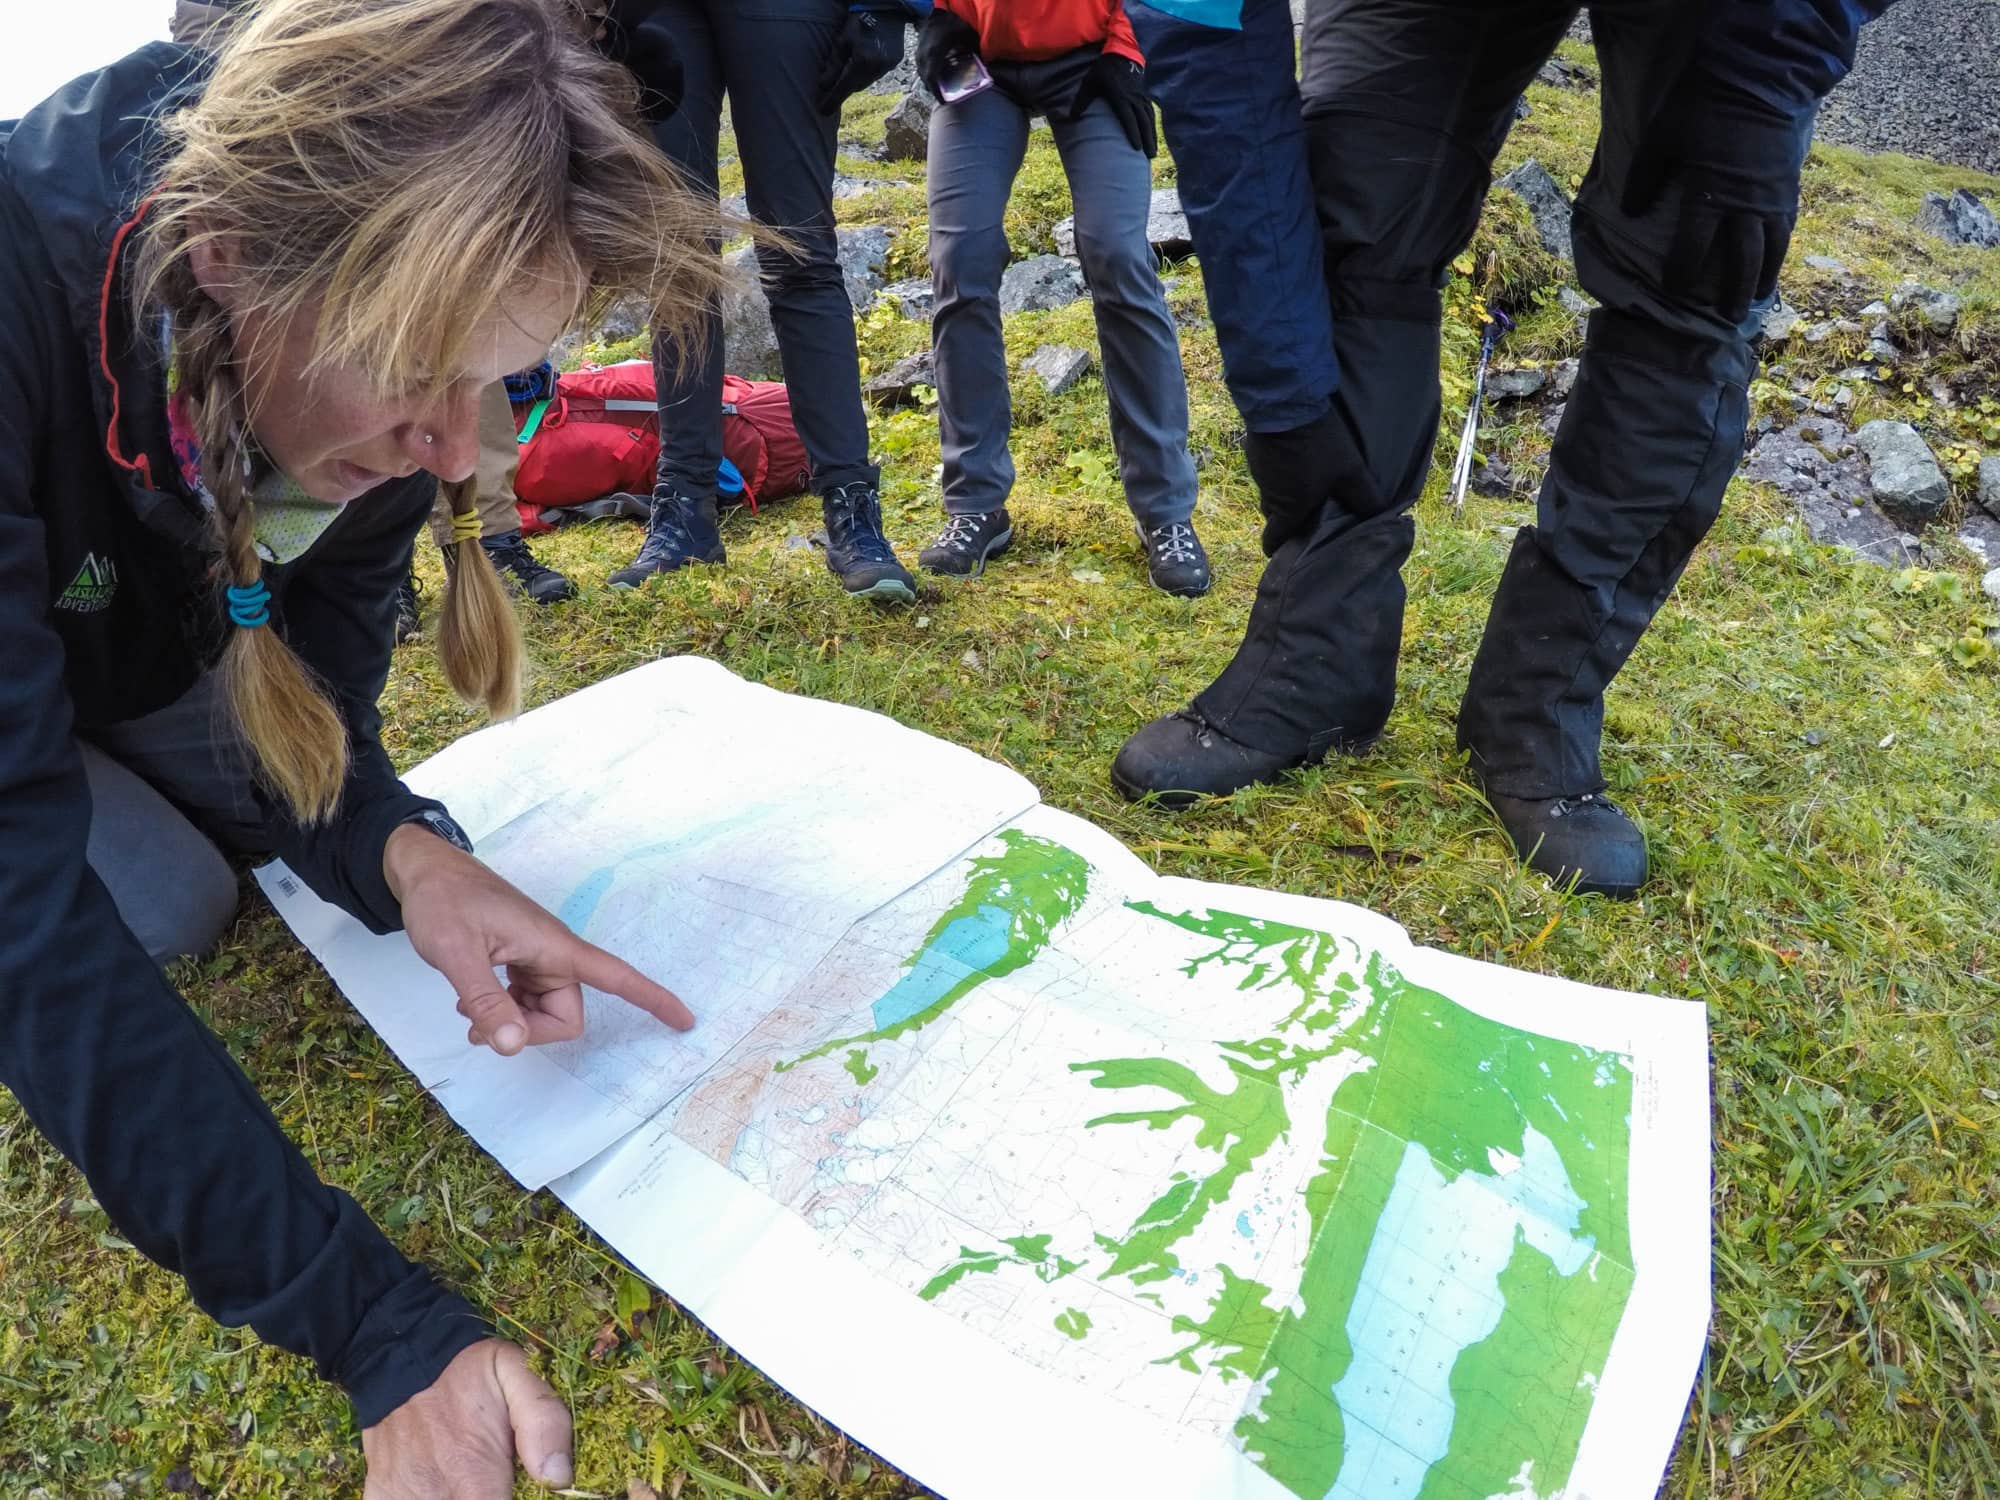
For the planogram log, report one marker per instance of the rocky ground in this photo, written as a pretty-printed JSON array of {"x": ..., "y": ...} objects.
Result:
[{"x": 1926, "y": 81}]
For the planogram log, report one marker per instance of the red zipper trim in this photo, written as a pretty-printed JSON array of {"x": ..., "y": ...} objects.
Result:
[{"x": 141, "y": 465}]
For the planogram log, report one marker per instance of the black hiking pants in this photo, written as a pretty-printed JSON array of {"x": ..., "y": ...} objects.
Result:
[
  {"x": 1679, "y": 230},
  {"x": 765, "y": 55}
]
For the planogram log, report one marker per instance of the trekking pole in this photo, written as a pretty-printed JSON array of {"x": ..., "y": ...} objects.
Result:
[{"x": 1461, "y": 468}]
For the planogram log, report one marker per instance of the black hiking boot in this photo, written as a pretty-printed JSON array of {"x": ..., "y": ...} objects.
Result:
[
  {"x": 857, "y": 551},
  {"x": 680, "y": 531},
  {"x": 1588, "y": 839},
  {"x": 963, "y": 547},
  {"x": 1181, "y": 758},
  {"x": 524, "y": 577},
  {"x": 1175, "y": 559},
  {"x": 409, "y": 608}
]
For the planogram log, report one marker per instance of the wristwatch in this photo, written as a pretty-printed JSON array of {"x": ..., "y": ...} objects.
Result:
[{"x": 441, "y": 823}]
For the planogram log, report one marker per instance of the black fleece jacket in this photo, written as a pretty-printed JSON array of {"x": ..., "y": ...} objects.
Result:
[{"x": 109, "y": 609}]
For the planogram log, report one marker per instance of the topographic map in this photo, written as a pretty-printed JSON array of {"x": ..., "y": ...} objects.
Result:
[{"x": 1044, "y": 1174}]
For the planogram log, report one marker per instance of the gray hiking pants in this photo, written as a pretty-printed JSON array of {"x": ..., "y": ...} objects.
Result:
[
  {"x": 976, "y": 148},
  {"x": 169, "y": 793}
]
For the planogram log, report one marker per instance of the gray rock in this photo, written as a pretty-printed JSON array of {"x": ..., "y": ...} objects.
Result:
[
  {"x": 1990, "y": 585},
  {"x": 853, "y": 187},
  {"x": 736, "y": 206},
  {"x": 1876, "y": 309},
  {"x": 906, "y": 133},
  {"x": 1547, "y": 204},
  {"x": 902, "y": 78},
  {"x": 897, "y": 385},
  {"x": 1515, "y": 385},
  {"x": 624, "y": 319},
  {"x": 1500, "y": 481},
  {"x": 1827, "y": 264},
  {"x": 1989, "y": 485},
  {"x": 1039, "y": 283},
  {"x": 1980, "y": 535},
  {"x": 1561, "y": 73},
  {"x": 1961, "y": 219},
  {"x": 749, "y": 342},
  {"x": 1939, "y": 310},
  {"x": 1058, "y": 366},
  {"x": 1167, "y": 226},
  {"x": 1571, "y": 301},
  {"x": 1827, "y": 483},
  {"x": 1818, "y": 333},
  {"x": 1903, "y": 477},
  {"x": 1562, "y": 378},
  {"x": 862, "y": 252},
  {"x": 914, "y": 299},
  {"x": 1779, "y": 321}
]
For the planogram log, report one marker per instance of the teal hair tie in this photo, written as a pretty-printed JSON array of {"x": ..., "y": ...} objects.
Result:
[{"x": 247, "y": 604}]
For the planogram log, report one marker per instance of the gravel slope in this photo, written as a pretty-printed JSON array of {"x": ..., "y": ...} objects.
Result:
[{"x": 1926, "y": 81}]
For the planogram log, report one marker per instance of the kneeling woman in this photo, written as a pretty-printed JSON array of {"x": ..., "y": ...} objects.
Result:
[{"x": 247, "y": 304}]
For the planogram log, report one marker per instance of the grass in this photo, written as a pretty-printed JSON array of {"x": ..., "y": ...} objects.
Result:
[{"x": 1809, "y": 743}]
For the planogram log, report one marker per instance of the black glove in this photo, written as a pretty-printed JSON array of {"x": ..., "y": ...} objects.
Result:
[
  {"x": 637, "y": 36},
  {"x": 1121, "y": 83},
  {"x": 1735, "y": 161},
  {"x": 868, "y": 46},
  {"x": 942, "y": 46}
]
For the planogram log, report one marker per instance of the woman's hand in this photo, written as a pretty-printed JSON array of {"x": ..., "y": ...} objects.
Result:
[
  {"x": 458, "y": 1440},
  {"x": 465, "y": 921}
]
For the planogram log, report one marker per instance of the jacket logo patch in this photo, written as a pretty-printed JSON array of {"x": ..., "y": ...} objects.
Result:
[{"x": 91, "y": 590}]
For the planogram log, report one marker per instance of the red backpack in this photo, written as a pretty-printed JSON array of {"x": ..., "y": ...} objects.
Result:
[{"x": 600, "y": 434}]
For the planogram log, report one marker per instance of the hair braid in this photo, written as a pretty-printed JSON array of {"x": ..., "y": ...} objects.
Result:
[
  {"x": 298, "y": 737},
  {"x": 479, "y": 643}
]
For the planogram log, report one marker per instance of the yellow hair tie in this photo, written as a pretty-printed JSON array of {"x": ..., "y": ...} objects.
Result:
[{"x": 465, "y": 526}]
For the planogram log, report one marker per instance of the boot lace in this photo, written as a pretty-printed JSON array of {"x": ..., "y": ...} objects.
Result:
[
  {"x": 1173, "y": 543},
  {"x": 854, "y": 522},
  {"x": 961, "y": 533}
]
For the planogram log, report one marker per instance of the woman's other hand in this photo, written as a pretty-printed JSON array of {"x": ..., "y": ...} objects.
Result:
[{"x": 459, "y": 1439}]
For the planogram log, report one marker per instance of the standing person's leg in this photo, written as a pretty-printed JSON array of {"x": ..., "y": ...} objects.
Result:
[
  {"x": 683, "y": 526},
  {"x": 976, "y": 146},
  {"x": 1406, "y": 103},
  {"x": 1650, "y": 437},
  {"x": 771, "y": 52},
  {"x": 1111, "y": 184},
  {"x": 1229, "y": 102}
]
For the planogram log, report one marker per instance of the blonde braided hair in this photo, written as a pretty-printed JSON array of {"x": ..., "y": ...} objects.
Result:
[{"x": 395, "y": 169}]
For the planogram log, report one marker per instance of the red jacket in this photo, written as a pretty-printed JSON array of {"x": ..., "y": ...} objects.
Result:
[{"x": 1035, "y": 30}]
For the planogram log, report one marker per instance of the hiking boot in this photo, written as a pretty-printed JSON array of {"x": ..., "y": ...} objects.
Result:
[
  {"x": 962, "y": 548},
  {"x": 1182, "y": 757},
  {"x": 409, "y": 609},
  {"x": 857, "y": 551},
  {"x": 1588, "y": 839},
  {"x": 1175, "y": 559},
  {"x": 525, "y": 578},
  {"x": 681, "y": 530}
]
